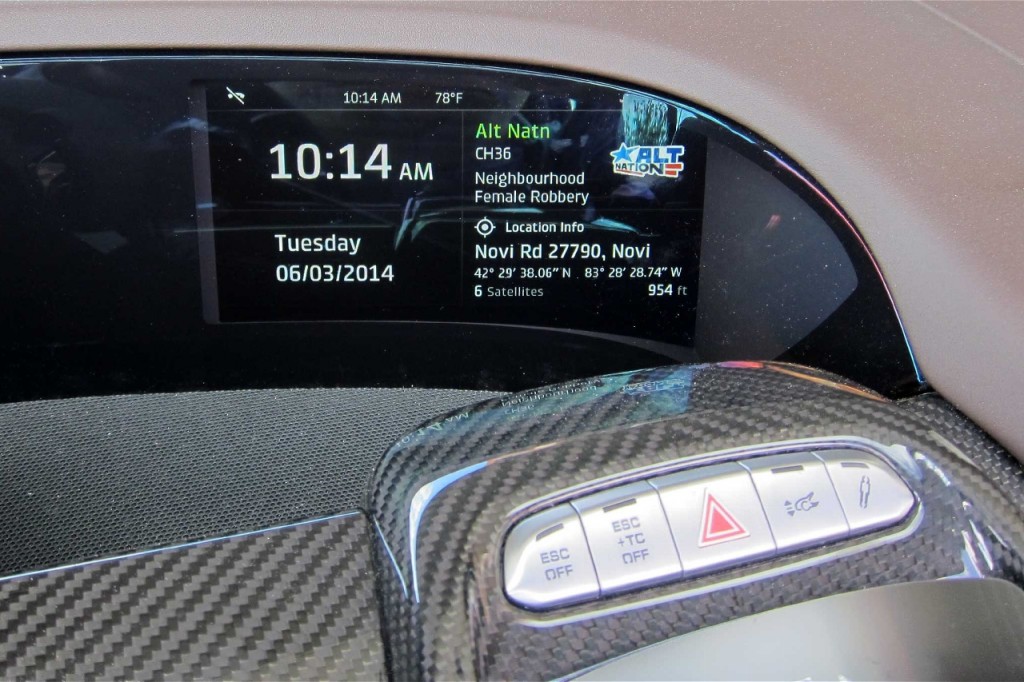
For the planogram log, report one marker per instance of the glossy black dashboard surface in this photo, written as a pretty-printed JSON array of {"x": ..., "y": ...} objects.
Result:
[{"x": 149, "y": 206}]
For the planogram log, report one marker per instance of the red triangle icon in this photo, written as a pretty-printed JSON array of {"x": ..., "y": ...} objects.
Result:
[{"x": 717, "y": 525}]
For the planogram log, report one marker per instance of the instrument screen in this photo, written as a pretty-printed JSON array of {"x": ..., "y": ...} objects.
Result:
[
  {"x": 192, "y": 222},
  {"x": 443, "y": 198}
]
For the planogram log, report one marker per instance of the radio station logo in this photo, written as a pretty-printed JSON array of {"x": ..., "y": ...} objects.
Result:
[{"x": 639, "y": 161}]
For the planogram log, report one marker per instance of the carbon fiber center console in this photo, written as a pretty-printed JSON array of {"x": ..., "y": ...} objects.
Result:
[{"x": 452, "y": 501}]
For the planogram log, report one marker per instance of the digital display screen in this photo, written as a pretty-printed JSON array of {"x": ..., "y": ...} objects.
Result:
[
  {"x": 240, "y": 221},
  {"x": 437, "y": 200}
]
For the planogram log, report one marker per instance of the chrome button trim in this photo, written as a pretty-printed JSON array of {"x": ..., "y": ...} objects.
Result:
[
  {"x": 871, "y": 494},
  {"x": 629, "y": 537},
  {"x": 547, "y": 561},
  {"x": 798, "y": 498},
  {"x": 716, "y": 517}
]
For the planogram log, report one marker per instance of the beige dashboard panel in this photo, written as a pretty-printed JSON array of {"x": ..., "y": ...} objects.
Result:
[{"x": 911, "y": 115}]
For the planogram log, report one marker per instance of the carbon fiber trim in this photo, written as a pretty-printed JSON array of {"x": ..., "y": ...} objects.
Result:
[
  {"x": 1002, "y": 469},
  {"x": 295, "y": 603},
  {"x": 446, "y": 496},
  {"x": 93, "y": 477}
]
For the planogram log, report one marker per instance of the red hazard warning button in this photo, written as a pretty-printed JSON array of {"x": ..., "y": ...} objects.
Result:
[
  {"x": 715, "y": 516},
  {"x": 717, "y": 524}
]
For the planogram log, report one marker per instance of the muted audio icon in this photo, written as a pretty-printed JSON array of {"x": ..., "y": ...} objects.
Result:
[
  {"x": 237, "y": 96},
  {"x": 485, "y": 227}
]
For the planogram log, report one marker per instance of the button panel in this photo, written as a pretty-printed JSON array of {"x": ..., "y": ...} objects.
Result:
[
  {"x": 697, "y": 521},
  {"x": 871, "y": 493},
  {"x": 715, "y": 516},
  {"x": 798, "y": 499},
  {"x": 547, "y": 561},
  {"x": 629, "y": 537}
]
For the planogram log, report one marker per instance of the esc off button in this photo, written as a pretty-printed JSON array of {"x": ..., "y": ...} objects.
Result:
[
  {"x": 547, "y": 562},
  {"x": 629, "y": 537}
]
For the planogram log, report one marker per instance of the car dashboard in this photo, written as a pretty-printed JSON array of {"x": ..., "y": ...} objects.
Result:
[{"x": 453, "y": 361}]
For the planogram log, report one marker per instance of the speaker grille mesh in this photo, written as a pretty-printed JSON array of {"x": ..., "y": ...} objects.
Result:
[{"x": 93, "y": 477}]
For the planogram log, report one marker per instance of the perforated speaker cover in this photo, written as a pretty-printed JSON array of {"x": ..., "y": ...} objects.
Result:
[{"x": 93, "y": 477}]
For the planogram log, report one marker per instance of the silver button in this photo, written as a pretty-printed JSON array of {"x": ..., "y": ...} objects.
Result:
[
  {"x": 871, "y": 493},
  {"x": 798, "y": 499},
  {"x": 715, "y": 516},
  {"x": 547, "y": 562},
  {"x": 629, "y": 537}
]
